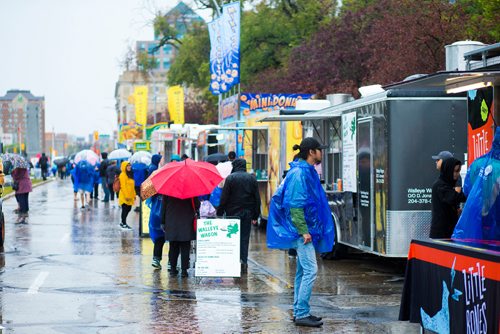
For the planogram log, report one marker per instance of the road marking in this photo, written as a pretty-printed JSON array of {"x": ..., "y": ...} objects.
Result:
[
  {"x": 65, "y": 238},
  {"x": 38, "y": 282}
]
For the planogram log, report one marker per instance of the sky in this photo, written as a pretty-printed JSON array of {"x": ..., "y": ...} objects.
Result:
[{"x": 69, "y": 51}]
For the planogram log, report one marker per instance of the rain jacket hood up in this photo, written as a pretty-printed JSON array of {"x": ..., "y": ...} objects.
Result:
[
  {"x": 127, "y": 186},
  {"x": 155, "y": 162},
  {"x": 301, "y": 188}
]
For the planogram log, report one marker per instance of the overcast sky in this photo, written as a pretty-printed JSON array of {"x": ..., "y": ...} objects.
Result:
[{"x": 69, "y": 51}]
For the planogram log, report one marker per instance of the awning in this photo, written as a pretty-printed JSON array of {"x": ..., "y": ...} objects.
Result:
[
  {"x": 234, "y": 128},
  {"x": 310, "y": 116},
  {"x": 451, "y": 82}
]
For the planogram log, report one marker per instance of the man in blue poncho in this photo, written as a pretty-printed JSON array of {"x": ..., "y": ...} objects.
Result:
[
  {"x": 480, "y": 218},
  {"x": 300, "y": 218}
]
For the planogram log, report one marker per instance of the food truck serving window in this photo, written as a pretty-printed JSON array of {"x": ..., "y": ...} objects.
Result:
[{"x": 260, "y": 144}]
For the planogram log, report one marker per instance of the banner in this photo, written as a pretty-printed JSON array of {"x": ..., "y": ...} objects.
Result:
[
  {"x": 175, "y": 96},
  {"x": 480, "y": 123},
  {"x": 229, "y": 110},
  {"x": 141, "y": 104},
  {"x": 224, "y": 35},
  {"x": 252, "y": 104},
  {"x": 349, "y": 157},
  {"x": 130, "y": 130},
  {"x": 218, "y": 248}
]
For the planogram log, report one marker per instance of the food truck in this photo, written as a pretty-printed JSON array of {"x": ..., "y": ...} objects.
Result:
[
  {"x": 378, "y": 171},
  {"x": 267, "y": 147}
]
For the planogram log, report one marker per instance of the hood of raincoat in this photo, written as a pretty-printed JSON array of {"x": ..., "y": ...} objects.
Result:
[
  {"x": 155, "y": 159},
  {"x": 123, "y": 168},
  {"x": 447, "y": 168},
  {"x": 155, "y": 162},
  {"x": 300, "y": 189},
  {"x": 239, "y": 165}
]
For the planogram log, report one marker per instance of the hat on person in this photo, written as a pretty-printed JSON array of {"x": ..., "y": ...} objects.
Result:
[
  {"x": 311, "y": 143},
  {"x": 443, "y": 155}
]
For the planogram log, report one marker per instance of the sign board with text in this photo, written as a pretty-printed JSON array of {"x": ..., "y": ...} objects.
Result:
[{"x": 218, "y": 248}]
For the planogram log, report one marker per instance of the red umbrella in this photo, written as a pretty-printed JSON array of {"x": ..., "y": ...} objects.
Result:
[{"x": 186, "y": 179}]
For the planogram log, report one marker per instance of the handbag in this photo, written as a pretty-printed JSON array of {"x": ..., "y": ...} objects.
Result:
[{"x": 15, "y": 186}]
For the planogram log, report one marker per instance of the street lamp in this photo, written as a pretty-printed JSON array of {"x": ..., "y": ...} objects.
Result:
[{"x": 154, "y": 95}]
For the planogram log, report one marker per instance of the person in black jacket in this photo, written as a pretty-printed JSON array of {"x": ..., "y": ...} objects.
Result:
[
  {"x": 102, "y": 173},
  {"x": 240, "y": 198},
  {"x": 177, "y": 219},
  {"x": 445, "y": 200}
]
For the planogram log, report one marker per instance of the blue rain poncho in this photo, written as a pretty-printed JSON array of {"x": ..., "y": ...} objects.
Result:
[
  {"x": 84, "y": 176},
  {"x": 155, "y": 231},
  {"x": 139, "y": 169},
  {"x": 301, "y": 188},
  {"x": 480, "y": 218}
]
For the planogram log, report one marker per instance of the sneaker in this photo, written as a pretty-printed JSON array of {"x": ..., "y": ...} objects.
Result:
[
  {"x": 156, "y": 263},
  {"x": 125, "y": 226},
  {"x": 308, "y": 322},
  {"x": 312, "y": 317},
  {"x": 173, "y": 273},
  {"x": 184, "y": 273},
  {"x": 83, "y": 207}
]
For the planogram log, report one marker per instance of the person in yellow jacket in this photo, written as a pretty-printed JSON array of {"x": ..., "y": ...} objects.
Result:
[{"x": 127, "y": 193}]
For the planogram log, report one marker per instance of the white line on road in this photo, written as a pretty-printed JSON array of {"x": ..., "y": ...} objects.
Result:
[
  {"x": 38, "y": 282},
  {"x": 65, "y": 238}
]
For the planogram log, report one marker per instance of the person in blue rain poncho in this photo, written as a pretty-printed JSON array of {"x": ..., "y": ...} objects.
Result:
[
  {"x": 140, "y": 170},
  {"x": 480, "y": 218},
  {"x": 84, "y": 181},
  {"x": 156, "y": 232},
  {"x": 300, "y": 218}
]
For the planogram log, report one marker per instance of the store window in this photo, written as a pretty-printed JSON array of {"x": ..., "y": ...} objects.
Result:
[{"x": 260, "y": 144}]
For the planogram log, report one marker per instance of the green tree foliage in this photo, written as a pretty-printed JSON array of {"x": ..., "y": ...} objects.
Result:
[{"x": 191, "y": 69}]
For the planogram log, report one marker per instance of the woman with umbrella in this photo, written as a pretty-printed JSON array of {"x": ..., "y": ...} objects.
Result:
[
  {"x": 22, "y": 185},
  {"x": 181, "y": 183}
]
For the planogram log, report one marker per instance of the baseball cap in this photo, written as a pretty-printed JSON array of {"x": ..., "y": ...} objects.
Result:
[
  {"x": 443, "y": 155},
  {"x": 311, "y": 143}
]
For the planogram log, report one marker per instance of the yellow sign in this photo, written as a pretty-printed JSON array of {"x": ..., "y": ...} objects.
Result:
[
  {"x": 141, "y": 104},
  {"x": 96, "y": 136},
  {"x": 176, "y": 104}
]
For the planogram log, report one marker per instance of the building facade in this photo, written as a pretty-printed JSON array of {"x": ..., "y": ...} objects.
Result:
[
  {"x": 22, "y": 121},
  {"x": 182, "y": 17}
]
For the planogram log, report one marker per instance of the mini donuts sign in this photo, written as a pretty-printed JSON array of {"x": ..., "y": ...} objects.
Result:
[{"x": 251, "y": 103}]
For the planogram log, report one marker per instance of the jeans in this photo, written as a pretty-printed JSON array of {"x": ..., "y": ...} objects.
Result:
[
  {"x": 305, "y": 276},
  {"x": 111, "y": 192},
  {"x": 246, "y": 228},
  {"x": 106, "y": 190},
  {"x": 22, "y": 199}
]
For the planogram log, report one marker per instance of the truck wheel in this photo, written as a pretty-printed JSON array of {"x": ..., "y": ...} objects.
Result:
[{"x": 339, "y": 250}]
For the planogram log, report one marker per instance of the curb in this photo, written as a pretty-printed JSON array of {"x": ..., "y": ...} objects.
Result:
[{"x": 12, "y": 194}]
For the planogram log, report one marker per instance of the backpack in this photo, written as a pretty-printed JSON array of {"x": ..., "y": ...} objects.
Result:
[{"x": 116, "y": 184}]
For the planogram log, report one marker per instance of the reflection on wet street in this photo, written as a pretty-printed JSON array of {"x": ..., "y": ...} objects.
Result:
[{"x": 68, "y": 270}]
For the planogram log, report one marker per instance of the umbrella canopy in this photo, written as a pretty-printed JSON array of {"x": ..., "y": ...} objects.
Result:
[
  {"x": 60, "y": 161},
  {"x": 147, "y": 187},
  {"x": 12, "y": 161},
  {"x": 186, "y": 179},
  {"x": 224, "y": 168},
  {"x": 216, "y": 157},
  {"x": 141, "y": 157},
  {"x": 119, "y": 154},
  {"x": 87, "y": 155}
]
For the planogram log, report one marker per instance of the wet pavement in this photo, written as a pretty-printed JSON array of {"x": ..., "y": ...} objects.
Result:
[{"x": 67, "y": 270}]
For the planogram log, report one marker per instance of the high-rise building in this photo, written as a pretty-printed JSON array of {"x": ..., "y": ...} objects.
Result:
[
  {"x": 181, "y": 17},
  {"x": 23, "y": 120}
]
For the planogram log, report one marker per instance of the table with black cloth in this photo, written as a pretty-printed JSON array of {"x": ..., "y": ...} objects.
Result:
[{"x": 453, "y": 286}]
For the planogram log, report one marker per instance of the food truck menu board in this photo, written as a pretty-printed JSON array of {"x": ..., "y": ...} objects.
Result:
[
  {"x": 218, "y": 248},
  {"x": 349, "y": 161}
]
